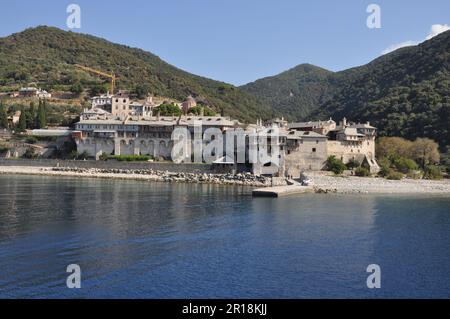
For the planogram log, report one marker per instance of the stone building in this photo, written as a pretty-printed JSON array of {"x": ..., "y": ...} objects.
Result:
[
  {"x": 130, "y": 128},
  {"x": 346, "y": 141},
  {"x": 136, "y": 135}
]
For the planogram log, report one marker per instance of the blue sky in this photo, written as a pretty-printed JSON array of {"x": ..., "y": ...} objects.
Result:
[{"x": 239, "y": 41}]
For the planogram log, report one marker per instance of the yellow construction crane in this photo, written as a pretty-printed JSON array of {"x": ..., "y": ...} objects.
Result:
[{"x": 111, "y": 76}]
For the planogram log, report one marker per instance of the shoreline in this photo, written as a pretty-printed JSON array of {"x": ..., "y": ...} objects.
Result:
[
  {"x": 138, "y": 175},
  {"x": 323, "y": 182}
]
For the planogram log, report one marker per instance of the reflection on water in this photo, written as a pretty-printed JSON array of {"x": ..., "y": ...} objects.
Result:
[{"x": 145, "y": 240}]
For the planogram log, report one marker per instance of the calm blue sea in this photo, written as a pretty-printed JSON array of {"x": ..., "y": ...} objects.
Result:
[{"x": 159, "y": 240}]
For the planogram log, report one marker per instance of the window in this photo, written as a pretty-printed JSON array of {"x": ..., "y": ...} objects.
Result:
[{"x": 314, "y": 149}]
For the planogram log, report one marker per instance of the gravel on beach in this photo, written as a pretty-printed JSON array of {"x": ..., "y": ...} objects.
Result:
[{"x": 322, "y": 182}]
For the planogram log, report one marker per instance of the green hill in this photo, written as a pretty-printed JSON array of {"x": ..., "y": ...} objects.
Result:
[
  {"x": 46, "y": 55},
  {"x": 405, "y": 93},
  {"x": 295, "y": 93}
]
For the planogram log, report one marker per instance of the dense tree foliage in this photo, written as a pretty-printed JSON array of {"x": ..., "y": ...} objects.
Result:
[
  {"x": 167, "y": 109},
  {"x": 46, "y": 56},
  {"x": 398, "y": 155},
  {"x": 197, "y": 110}
]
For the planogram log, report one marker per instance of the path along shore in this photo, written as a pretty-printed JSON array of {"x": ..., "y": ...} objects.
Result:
[{"x": 322, "y": 182}]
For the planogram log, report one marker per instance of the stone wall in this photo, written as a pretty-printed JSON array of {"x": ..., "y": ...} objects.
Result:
[
  {"x": 311, "y": 154},
  {"x": 113, "y": 164},
  {"x": 346, "y": 151},
  {"x": 156, "y": 147}
]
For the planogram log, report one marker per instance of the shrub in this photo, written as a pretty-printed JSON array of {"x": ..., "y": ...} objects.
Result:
[
  {"x": 415, "y": 174},
  {"x": 82, "y": 156},
  {"x": 352, "y": 164},
  {"x": 30, "y": 153},
  {"x": 432, "y": 172},
  {"x": 335, "y": 165},
  {"x": 104, "y": 156},
  {"x": 362, "y": 171},
  {"x": 31, "y": 140},
  {"x": 405, "y": 165},
  {"x": 385, "y": 166},
  {"x": 394, "y": 175},
  {"x": 3, "y": 148}
]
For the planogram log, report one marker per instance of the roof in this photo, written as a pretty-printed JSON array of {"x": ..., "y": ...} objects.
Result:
[
  {"x": 362, "y": 125},
  {"x": 311, "y": 124},
  {"x": 350, "y": 131},
  {"x": 306, "y": 134},
  {"x": 163, "y": 121}
]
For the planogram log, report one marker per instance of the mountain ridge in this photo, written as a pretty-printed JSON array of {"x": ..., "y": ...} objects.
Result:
[{"x": 404, "y": 93}]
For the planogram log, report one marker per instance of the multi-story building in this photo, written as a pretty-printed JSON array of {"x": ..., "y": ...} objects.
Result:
[
  {"x": 130, "y": 128},
  {"x": 137, "y": 135}
]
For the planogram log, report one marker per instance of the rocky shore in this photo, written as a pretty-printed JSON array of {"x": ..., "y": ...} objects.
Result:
[
  {"x": 321, "y": 182},
  {"x": 244, "y": 179}
]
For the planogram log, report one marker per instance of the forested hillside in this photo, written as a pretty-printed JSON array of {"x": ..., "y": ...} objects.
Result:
[
  {"x": 405, "y": 93},
  {"x": 46, "y": 56}
]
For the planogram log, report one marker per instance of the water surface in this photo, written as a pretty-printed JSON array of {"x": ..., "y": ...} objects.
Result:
[{"x": 159, "y": 240}]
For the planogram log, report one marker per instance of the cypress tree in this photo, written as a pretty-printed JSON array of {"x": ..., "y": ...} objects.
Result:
[
  {"x": 22, "y": 121},
  {"x": 31, "y": 117},
  {"x": 3, "y": 116},
  {"x": 42, "y": 116}
]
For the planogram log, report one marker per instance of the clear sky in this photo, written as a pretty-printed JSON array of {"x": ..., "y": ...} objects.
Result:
[{"x": 239, "y": 41}]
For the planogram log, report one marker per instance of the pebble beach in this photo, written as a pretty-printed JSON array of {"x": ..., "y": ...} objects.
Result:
[{"x": 322, "y": 182}]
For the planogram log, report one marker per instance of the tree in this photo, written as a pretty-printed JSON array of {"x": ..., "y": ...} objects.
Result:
[
  {"x": 42, "y": 114},
  {"x": 31, "y": 116},
  {"x": 166, "y": 109},
  {"x": 3, "y": 116},
  {"x": 197, "y": 110},
  {"x": 76, "y": 88},
  {"x": 335, "y": 165},
  {"x": 97, "y": 90},
  {"x": 141, "y": 91},
  {"x": 397, "y": 146},
  {"x": 22, "y": 126},
  {"x": 425, "y": 151}
]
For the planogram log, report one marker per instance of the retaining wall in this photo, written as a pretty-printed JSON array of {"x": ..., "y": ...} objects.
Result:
[{"x": 113, "y": 164}]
